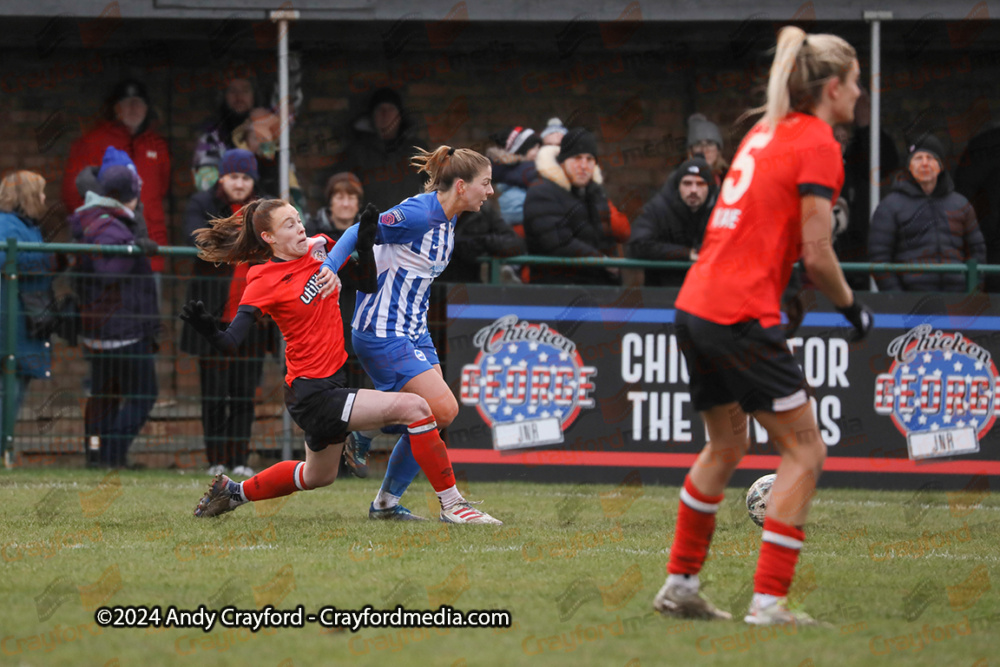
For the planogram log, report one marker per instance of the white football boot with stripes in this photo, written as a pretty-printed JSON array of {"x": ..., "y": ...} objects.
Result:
[{"x": 464, "y": 512}]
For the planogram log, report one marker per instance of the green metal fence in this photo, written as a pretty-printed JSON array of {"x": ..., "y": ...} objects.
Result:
[
  {"x": 174, "y": 434},
  {"x": 972, "y": 269}
]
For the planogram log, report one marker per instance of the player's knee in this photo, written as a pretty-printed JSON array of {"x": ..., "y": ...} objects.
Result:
[
  {"x": 445, "y": 412},
  {"x": 412, "y": 408}
]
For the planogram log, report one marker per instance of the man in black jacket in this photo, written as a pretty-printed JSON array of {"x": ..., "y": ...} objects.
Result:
[
  {"x": 923, "y": 220},
  {"x": 567, "y": 214},
  {"x": 672, "y": 223}
]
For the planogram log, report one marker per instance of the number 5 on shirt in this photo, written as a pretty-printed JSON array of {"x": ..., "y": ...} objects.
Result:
[{"x": 733, "y": 189}]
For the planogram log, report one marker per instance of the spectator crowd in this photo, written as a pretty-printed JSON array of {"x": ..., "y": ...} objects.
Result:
[{"x": 551, "y": 199}]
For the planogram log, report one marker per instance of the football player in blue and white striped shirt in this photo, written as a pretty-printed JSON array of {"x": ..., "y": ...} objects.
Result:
[{"x": 413, "y": 245}]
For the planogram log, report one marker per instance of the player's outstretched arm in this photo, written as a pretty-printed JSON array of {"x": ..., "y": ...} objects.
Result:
[
  {"x": 823, "y": 268},
  {"x": 207, "y": 325}
]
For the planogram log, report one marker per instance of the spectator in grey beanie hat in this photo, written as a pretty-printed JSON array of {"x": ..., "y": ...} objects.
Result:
[
  {"x": 577, "y": 141},
  {"x": 705, "y": 139},
  {"x": 701, "y": 129},
  {"x": 554, "y": 132}
]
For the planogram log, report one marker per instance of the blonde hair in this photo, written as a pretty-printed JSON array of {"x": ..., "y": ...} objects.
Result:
[
  {"x": 446, "y": 164},
  {"x": 802, "y": 64},
  {"x": 236, "y": 239},
  {"x": 21, "y": 192}
]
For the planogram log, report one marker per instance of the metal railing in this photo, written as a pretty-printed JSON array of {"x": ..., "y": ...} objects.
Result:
[
  {"x": 67, "y": 401},
  {"x": 188, "y": 395},
  {"x": 972, "y": 269}
]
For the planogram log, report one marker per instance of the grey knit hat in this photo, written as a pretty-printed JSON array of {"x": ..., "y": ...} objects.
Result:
[{"x": 701, "y": 128}]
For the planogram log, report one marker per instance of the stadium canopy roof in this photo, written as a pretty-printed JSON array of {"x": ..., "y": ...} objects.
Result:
[{"x": 528, "y": 11}]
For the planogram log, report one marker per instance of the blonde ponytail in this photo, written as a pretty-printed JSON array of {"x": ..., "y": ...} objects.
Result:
[{"x": 802, "y": 64}]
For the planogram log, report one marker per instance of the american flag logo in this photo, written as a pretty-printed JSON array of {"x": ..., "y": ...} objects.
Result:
[
  {"x": 938, "y": 381},
  {"x": 524, "y": 372}
]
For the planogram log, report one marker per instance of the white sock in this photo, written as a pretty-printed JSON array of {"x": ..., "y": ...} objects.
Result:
[
  {"x": 763, "y": 600},
  {"x": 686, "y": 582},
  {"x": 449, "y": 497},
  {"x": 371, "y": 433},
  {"x": 240, "y": 496},
  {"x": 384, "y": 500}
]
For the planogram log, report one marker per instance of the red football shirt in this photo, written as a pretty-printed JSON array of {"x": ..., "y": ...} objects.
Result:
[
  {"x": 754, "y": 236},
  {"x": 313, "y": 331}
]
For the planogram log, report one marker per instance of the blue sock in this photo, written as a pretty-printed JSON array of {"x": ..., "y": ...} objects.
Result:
[{"x": 402, "y": 469}]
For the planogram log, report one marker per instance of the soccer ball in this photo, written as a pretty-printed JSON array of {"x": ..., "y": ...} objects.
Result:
[{"x": 757, "y": 498}]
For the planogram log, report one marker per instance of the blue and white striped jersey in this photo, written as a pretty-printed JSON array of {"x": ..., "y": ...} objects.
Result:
[{"x": 413, "y": 245}]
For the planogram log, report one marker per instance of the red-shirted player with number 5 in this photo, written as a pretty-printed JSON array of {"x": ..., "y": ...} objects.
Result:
[{"x": 775, "y": 207}]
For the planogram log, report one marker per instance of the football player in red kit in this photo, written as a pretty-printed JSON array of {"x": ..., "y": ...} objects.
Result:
[
  {"x": 291, "y": 285},
  {"x": 774, "y": 208}
]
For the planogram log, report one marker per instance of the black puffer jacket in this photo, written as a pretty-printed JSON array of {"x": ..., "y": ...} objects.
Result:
[
  {"x": 565, "y": 221},
  {"x": 667, "y": 229},
  {"x": 910, "y": 226},
  {"x": 480, "y": 234}
]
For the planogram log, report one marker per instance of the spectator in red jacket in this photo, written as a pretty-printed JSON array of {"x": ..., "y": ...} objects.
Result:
[{"x": 128, "y": 127}]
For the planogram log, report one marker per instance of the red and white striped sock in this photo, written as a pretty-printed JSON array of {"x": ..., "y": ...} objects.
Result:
[
  {"x": 693, "y": 534},
  {"x": 279, "y": 480},
  {"x": 779, "y": 552}
]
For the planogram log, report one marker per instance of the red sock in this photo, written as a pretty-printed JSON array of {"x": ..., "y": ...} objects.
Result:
[
  {"x": 431, "y": 455},
  {"x": 779, "y": 552},
  {"x": 695, "y": 525},
  {"x": 279, "y": 480}
]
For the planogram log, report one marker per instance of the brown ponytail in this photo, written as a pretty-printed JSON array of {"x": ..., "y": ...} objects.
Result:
[
  {"x": 236, "y": 239},
  {"x": 446, "y": 165}
]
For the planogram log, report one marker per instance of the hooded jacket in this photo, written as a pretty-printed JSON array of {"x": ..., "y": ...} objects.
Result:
[
  {"x": 565, "y": 221},
  {"x": 150, "y": 154},
  {"x": 117, "y": 294},
  {"x": 910, "y": 226},
  {"x": 667, "y": 229},
  {"x": 383, "y": 167}
]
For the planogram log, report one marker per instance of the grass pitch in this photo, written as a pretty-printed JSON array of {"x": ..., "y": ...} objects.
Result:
[{"x": 902, "y": 577}]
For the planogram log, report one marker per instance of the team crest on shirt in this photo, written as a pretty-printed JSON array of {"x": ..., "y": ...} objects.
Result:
[
  {"x": 392, "y": 217},
  {"x": 319, "y": 252},
  {"x": 528, "y": 383},
  {"x": 941, "y": 392}
]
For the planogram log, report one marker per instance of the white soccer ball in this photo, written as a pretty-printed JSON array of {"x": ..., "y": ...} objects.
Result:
[{"x": 757, "y": 498}]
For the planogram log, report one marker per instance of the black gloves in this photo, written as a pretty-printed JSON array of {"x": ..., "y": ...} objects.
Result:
[
  {"x": 367, "y": 228},
  {"x": 201, "y": 320},
  {"x": 861, "y": 318},
  {"x": 149, "y": 246}
]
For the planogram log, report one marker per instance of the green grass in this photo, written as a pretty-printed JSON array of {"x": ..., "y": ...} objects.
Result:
[{"x": 73, "y": 539}]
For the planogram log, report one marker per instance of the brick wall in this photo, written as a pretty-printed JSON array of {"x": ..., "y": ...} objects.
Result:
[{"x": 633, "y": 90}]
